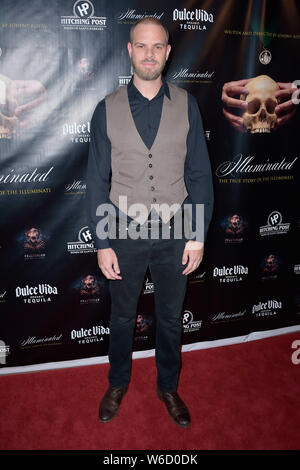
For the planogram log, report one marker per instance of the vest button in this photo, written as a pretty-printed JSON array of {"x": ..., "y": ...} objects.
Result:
[
  {"x": 154, "y": 199},
  {"x": 150, "y": 165},
  {"x": 150, "y": 155},
  {"x": 150, "y": 177},
  {"x": 152, "y": 188}
]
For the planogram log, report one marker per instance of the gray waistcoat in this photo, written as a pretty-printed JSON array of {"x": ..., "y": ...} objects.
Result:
[{"x": 154, "y": 176}]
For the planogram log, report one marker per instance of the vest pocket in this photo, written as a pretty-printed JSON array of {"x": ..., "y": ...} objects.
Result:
[
  {"x": 124, "y": 173},
  {"x": 132, "y": 173},
  {"x": 177, "y": 181},
  {"x": 116, "y": 182}
]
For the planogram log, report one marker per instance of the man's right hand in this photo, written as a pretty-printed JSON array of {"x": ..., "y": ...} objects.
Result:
[
  {"x": 108, "y": 263},
  {"x": 230, "y": 103}
]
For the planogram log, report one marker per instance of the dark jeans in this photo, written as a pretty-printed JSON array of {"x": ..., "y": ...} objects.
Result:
[{"x": 164, "y": 258}]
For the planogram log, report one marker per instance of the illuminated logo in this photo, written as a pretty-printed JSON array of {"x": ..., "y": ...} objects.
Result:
[
  {"x": 131, "y": 16},
  {"x": 226, "y": 317}
]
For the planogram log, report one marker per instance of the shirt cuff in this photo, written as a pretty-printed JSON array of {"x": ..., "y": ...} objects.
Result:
[{"x": 102, "y": 244}]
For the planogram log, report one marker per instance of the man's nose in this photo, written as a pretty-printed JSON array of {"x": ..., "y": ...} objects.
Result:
[{"x": 149, "y": 52}]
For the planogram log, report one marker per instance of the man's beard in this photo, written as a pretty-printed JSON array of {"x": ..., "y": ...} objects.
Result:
[{"x": 147, "y": 74}]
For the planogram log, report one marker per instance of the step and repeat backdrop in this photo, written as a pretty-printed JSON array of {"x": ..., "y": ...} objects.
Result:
[{"x": 58, "y": 59}]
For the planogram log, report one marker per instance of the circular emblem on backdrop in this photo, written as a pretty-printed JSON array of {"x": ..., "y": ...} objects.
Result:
[
  {"x": 187, "y": 317},
  {"x": 265, "y": 57},
  {"x": 84, "y": 235},
  {"x": 83, "y": 9},
  {"x": 274, "y": 218}
]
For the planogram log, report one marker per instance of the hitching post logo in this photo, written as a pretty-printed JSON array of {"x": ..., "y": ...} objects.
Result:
[
  {"x": 274, "y": 225},
  {"x": 187, "y": 317},
  {"x": 85, "y": 235},
  {"x": 83, "y": 9},
  {"x": 83, "y": 18},
  {"x": 274, "y": 218},
  {"x": 4, "y": 351}
]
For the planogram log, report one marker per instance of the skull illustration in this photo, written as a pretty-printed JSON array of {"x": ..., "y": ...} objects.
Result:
[
  {"x": 260, "y": 116},
  {"x": 34, "y": 240},
  {"x": 33, "y": 235},
  {"x": 8, "y": 104}
]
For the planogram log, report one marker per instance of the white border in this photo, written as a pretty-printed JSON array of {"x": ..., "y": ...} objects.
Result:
[{"x": 150, "y": 352}]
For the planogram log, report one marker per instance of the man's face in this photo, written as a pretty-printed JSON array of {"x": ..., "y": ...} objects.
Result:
[{"x": 148, "y": 51}]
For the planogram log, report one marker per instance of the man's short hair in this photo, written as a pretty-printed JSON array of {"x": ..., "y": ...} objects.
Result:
[{"x": 148, "y": 20}]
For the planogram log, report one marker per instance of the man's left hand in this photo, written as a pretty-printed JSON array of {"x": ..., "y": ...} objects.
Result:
[
  {"x": 193, "y": 254},
  {"x": 286, "y": 107}
]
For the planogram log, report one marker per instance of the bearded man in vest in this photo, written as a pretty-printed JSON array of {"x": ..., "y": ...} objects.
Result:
[{"x": 148, "y": 148}]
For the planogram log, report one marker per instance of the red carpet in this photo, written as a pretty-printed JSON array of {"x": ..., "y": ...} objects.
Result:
[{"x": 243, "y": 396}]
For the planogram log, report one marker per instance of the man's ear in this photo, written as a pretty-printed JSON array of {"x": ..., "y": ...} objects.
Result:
[
  {"x": 168, "y": 51},
  {"x": 129, "y": 47}
]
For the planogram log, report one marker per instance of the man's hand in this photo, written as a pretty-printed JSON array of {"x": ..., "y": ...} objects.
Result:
[
  {"x": 108, "y": 263},
  {"x": 193, "y": 253},
  {"x": 230, "y": 90},
  {"x": 28, "y": 93},
  {"x": 285, "y": 109}
]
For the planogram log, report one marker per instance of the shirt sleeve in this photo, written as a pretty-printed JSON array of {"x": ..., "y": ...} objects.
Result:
[
  {"x": 198, "y": 175},
  {"x": 98, "y": 172}
]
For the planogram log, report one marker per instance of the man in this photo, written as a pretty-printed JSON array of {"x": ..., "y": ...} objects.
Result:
[{"x": 147, "y": 144}]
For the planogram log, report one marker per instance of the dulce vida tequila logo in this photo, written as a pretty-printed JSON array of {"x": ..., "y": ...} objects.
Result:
[
  {"x": 234, "y": 273},
  {"x": 192, "y": 19},
  {"x": 267, "y": 308},
  {"x": 36, "y": 294},
  {"x": 77, "y": 132},
  {"x": 94, "y": 334}
]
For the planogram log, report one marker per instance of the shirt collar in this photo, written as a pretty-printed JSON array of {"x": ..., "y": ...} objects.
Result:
[{"x": 135, "y": 93}]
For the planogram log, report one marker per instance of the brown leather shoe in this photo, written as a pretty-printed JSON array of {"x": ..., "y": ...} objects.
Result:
[
  {"x": 110, "y": 403},
  {"x": 177, "y": 409}
]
